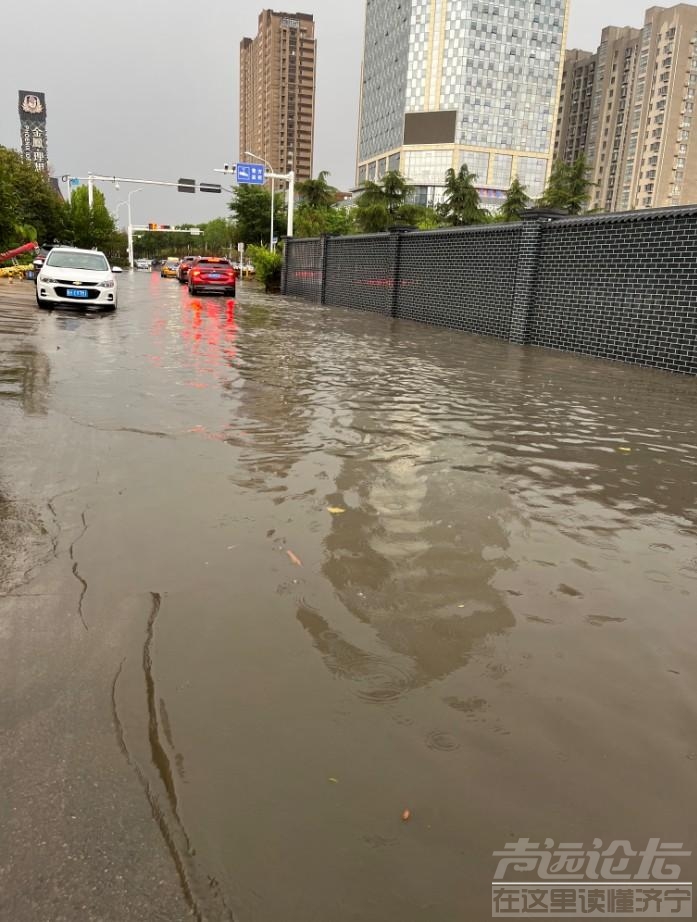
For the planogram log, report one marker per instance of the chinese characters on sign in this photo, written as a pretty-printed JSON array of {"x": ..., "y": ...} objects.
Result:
[
  {"x": 571, "y": 881},
  {"x": 251, "y": 174},
  {"x": 32, "y": 119}
]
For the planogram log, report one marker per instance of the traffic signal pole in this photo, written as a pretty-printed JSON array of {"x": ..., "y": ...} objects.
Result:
[{"x": 181, "y": 185}]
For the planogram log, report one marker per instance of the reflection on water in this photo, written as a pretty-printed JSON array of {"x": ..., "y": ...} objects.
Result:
[{"x": 24, "y": 377}]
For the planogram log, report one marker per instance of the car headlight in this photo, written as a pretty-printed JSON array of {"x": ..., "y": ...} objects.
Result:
[
  {"x": 45, "y": 280},
  {"x": 109, "y": 284}
]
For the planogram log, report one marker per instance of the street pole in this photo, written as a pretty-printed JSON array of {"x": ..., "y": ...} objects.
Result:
[
  {"x": 131, "y": 262},
  {"x": 272, "y": 176},
  {"x": 291, "y": 202},
  {"x": 90, "y": 191},
  {"x": 130, "y": 244}
]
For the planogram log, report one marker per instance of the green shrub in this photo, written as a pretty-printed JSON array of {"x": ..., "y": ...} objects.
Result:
[{"x": 267, "y": 264}]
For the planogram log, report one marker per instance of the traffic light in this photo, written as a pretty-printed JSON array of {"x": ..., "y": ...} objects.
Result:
[{"x": 152, "y": 226}]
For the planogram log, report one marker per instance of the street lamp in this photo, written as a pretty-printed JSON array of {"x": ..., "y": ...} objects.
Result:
[
  {"x": 130, "y": 225},
  {"x": 248, "y": 153}
]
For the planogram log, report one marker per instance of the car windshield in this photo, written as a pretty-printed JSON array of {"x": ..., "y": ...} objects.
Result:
[{"x": 95, "y": 261}]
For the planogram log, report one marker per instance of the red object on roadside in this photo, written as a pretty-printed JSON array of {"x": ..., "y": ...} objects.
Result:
[{"x": 10, "y": 254}]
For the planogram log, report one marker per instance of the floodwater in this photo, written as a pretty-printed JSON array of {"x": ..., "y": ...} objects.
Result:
[{"x": 273, "y": 574}]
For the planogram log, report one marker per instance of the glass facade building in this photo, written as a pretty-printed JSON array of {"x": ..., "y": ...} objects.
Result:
[{"x": 447, "y": 82}]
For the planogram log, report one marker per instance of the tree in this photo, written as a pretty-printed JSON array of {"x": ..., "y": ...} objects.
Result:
[
  {"x": 461, "y": 205},
  {"x": 517, "y": 201},
  {"x": 380, "y": 202},
  {"x": 251, "y": 206},
  {"x": 568, "y": 186},
  {"x": 29, "y": 206},
  {"x": 219, "y": 235},
  {"x": 556, "y": 191},
  {"x": 578, "y": 186},
  {"x": 317, "y": 212},
  {"x": 395, "y": 190},
  {"x": 317, "y": 193},
  {"x": 90, "y": 227},
  {"x": 420, "y": 216}
]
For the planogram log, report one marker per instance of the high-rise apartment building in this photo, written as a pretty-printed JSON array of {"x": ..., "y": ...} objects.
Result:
[
  {"x": 277, "y": 92},
  {"x": 575, "y": 103},
  {"x": 447, "y": 82},
  {"x": 637, "y": 132}
]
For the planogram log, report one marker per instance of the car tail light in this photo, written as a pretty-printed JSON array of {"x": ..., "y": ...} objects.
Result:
[{"x": 196, "y": 272}]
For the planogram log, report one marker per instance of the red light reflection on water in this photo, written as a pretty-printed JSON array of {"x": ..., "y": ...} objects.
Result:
[{"x": 209, "y": 330}]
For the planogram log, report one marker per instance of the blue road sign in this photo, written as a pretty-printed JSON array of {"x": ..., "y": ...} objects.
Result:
[{"x": 251, "y": 174}]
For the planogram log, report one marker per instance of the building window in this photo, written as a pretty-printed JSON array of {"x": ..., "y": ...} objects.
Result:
[{"x": 501, "y": 175}]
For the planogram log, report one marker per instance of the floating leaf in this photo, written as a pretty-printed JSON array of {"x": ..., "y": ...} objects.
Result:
[
  {"x": 296, "y": 560},
  {"x": 336, "y": 510}
]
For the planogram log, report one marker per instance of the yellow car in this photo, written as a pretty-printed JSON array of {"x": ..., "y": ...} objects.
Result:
[{"x": 169, "y": 268}]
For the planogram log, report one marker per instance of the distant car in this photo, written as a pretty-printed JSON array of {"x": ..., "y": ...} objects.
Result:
[
  {"x": 78, "y": 278},
  {"x": 143, "y": 264},
  {"x": 212, "y": 273},
  {"x": 169, "y": 268},
  {"x": 40, "y": 257},
  {"x": 184, "y": 266}
]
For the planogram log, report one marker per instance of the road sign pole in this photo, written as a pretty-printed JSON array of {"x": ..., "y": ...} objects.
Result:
[
  {"x": 246, "y": 176},
  {"x": 291, "y": 203},
  {"x": 130, "y": 245},
  {"x": 273, "y": 209}
]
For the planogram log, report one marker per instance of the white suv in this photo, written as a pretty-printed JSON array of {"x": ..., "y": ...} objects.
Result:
[{"x": 80, "y": 278}]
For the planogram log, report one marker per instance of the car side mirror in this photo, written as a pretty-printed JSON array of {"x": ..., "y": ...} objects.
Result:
[{"x": 116, "y": 269}]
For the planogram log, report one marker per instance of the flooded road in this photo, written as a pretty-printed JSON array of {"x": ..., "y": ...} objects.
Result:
[{"x": 273, "y": 574}]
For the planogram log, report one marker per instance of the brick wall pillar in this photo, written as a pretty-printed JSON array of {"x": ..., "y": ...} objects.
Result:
[
  {"x": 396, "y": 234},
  {"x": 526, "y": 273},
  {"x": 324, "y": 262},
  {"x": 284, "y": 268}
]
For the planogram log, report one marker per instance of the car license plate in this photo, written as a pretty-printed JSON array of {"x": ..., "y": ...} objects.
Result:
[
  {"x": 76, "y": 293},
  {"x": 214, "y": 275}
]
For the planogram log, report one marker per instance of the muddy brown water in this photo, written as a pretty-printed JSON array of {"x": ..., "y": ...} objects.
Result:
[{"x": 293, "y": 570}]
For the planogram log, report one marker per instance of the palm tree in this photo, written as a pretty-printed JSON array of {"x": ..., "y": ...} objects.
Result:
[{"x": 317, "y": 193}]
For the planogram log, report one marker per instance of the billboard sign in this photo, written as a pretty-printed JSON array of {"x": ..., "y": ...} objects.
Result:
[{"x": 32, "y": 120}]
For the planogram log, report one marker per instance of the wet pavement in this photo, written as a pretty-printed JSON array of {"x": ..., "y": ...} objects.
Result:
[{"x": 272, "y": 574}]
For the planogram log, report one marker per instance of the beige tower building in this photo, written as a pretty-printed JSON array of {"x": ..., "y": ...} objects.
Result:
[
  {"x": 452, "y": 82},
  {"x": 277, "y": 92},
  {"x": 637, "y": 131}
]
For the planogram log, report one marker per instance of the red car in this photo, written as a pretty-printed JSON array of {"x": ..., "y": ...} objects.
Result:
[{"x": 212, "y": 273}]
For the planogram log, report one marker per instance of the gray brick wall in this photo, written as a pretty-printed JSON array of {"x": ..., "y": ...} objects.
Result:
[
  {"x": 620, "y": 286},
  {"x": 361, "y": 272},
  {"x": 463, "y": 279}
]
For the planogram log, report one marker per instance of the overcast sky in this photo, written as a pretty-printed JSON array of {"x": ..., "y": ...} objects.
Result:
[{"x": 149, "y": 88}]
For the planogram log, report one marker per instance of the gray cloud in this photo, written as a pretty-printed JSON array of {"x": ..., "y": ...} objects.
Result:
[{"x": 149, "y": 89}]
